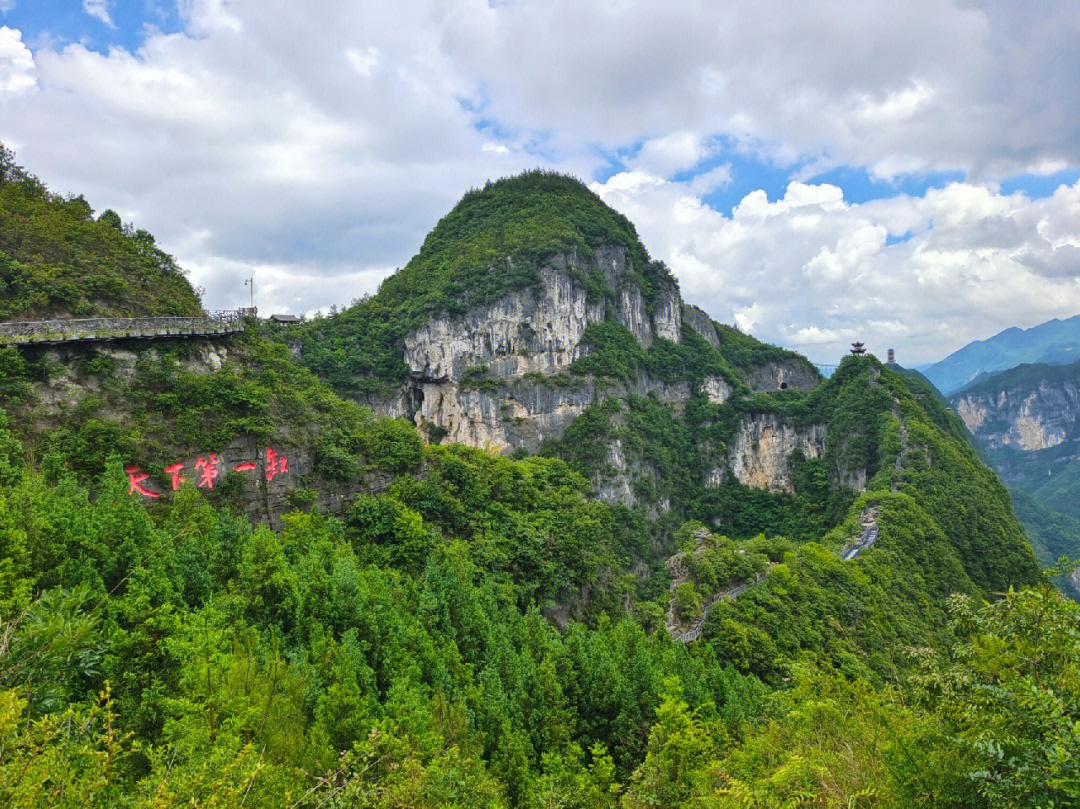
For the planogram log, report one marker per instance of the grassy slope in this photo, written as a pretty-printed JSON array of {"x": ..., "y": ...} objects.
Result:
[{"x": 58, "y": 260}]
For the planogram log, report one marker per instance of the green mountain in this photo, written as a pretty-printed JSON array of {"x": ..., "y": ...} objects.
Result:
[
  {"x": 676, "y": 568},
  {"x": 1056, "y": 342},
  {"x": 58, "y": 261}
]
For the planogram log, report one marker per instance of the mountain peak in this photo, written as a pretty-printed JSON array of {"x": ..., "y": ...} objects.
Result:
[{"x": 492, "y": 241}]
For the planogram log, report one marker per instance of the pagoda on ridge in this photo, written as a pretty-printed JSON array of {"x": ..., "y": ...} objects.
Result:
[{"x": 858, "y": 349}]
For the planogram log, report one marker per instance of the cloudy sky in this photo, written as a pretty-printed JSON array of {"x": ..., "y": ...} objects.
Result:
[{"x": 903, "y": 173}]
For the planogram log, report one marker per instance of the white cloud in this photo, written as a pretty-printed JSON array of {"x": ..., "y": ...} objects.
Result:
[
  {"x": 206, "y": 17},
  {"x": 670, "y": 154},
  {"x": 813, "y": 336},
  {"x": 708, "y": 181},
  {"x": 986, "y": 87},
  {"x": 99, "y": 10},
  {"x": 364, "y": 62},
  {"x": 812, "y": 271},
  {"x": 16, "y": 64},
  {"x": 6, "y": 6},
  {"x": 262, "y": 148},
  {"x": 321, "y": 147}
]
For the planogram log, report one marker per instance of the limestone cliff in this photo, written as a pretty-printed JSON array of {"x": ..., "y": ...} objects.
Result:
[
  {"x": 495, "y": 376},
  {"x": 1027, "y": 411},
  {"x": 539, "y": 330},
  {"x": 760, "y": 455},
  {"x": 782, "y": 375}
]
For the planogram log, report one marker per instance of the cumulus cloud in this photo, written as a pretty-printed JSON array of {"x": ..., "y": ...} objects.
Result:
[
  {"x": 985, "y": 87},
  {"x": 16, "y": 64},
  {"x": 364, "y": 61},
  {"x": 670, "y": 154},
  {"x": 319, "y": 148},
  {"x": 248, "y": 142},
  {"x": 99, "y": 10},
  {"x": 813, "y": 271}
]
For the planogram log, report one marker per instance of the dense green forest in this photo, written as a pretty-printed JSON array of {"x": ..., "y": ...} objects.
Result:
[
  {"x": 476, "y": 629},
  {"x": 400, "y": 657}
]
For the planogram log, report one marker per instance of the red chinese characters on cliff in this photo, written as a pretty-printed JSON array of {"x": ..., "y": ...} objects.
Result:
[
  {"x": 208, "y": 471},
  {"x": 175, "y": 471},
  {"x": 208, "y": 467},
  {"x": 275, "y": 464},
  {"x": 135, "y": 479}
]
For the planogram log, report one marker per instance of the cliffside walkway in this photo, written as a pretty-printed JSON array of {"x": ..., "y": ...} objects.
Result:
[
  {"x": 865, "y": 540},
  {"x": 97, "y": 329},
  {"x": 694, "y": 632}
]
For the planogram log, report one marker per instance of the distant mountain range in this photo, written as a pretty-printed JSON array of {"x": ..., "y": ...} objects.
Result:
[{"x": 1056, "y": 342}]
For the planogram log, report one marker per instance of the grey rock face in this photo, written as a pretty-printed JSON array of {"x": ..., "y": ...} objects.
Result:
[
  {"x": 1024, "y": 417},
  {"x": 716, "y": 389},
  {"x": 525, "y": 341},
  {"x": 700, "y": 322},
  {"x": 539, "y": 330},
  {"x": 786, "y": 375},
  {"x": 759, "y": 456},
  {"x": 667, "y": 313}
]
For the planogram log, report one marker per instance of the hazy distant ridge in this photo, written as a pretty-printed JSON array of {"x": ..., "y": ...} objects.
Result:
[{"x": 1056, "y": 342}]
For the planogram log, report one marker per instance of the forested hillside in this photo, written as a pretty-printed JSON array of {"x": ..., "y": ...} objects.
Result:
[
  {"x": 391, "y": 621},
  {"x": 57, "y": 260}
]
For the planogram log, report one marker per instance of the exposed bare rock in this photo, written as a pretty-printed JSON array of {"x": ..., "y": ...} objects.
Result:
[
  {"x": 972, "y": 411},
  {"x": 538, "y": 330},
  {"x": 519, "y": 346},
  {"x": 1027, "y": 416},
  {"x": 617, "y": 488},
  {"x": 759, "y": 455},
  {"x": 667, "y": 313},
  {"x": 700, "y": 322},
  {"x": 521, "y": 333},
  {"x": 784, "y": 375},
  {"x": 717, "y": 389}
]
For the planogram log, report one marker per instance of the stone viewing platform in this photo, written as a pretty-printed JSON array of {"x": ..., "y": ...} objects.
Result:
[{"x": 97, "y": 329}]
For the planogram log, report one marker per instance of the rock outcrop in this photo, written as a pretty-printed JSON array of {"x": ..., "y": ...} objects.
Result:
[
  {"x": 1024, "y": 413},
  {"x": 697, "y": 319},
  {"x": 760, "y": 454},
  {"x": 493, "y": 378},
  {"x": 497, "y": 377},
  {"x": 783, "y": 375},
  {"x": 539, "y": 329}
]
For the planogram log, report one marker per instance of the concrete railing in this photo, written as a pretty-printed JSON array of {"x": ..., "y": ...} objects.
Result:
[{"x": 41, "y": 332}]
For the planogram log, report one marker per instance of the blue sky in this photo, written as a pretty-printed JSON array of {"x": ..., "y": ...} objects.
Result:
[
  {"x": 66, "y": 21},
  {"x": 906, "y": 175}
]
